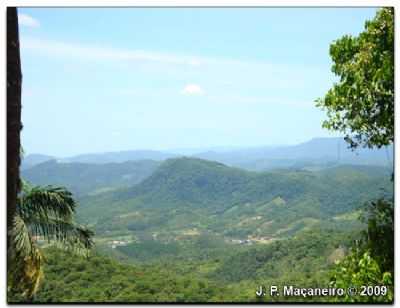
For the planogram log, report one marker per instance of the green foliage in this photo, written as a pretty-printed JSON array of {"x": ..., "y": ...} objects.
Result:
[
  {"x": 203, "y": 275},
  {"x": 99, "y": 279},
  {"x": 360, "y": 270},
  {"x": 371, "y": 262},
  {"x": 303, "y": 259},
  {"x": 201, "y": 247},
  {"x": 150, "y": 250},
  {"x": 361, "y": 104},
  {"x": 378, "y": 238}
]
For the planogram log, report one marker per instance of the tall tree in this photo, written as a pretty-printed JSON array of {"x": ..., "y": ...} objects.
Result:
[
  {"x": 46, "y": 212},
  {"x": 14, "y": 81},
  {"x": 361, "y": 103}
]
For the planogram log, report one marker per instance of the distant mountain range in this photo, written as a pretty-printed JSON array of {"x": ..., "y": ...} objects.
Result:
[
  {"x": 83, "y": 178},
  {"x": 316, "y": 153},
  {"x": 34, "y": 159},
  {"x": 98, "y": 158}
]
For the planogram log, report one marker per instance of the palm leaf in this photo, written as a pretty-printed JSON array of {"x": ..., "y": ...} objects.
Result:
[
  {"x": 46, "y": 202},
  {"x": 22, "y": 242},
  {"x": 65, "y": 232}
]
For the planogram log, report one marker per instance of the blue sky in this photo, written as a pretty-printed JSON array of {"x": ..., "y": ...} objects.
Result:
[{"x": 97, "y": 80}]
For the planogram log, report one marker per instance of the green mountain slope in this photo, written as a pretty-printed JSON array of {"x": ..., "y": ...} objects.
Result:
[{"x": 192, "y": 196}]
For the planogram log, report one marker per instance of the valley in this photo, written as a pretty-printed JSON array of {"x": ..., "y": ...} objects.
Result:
[{"x": 145, "y": 210}]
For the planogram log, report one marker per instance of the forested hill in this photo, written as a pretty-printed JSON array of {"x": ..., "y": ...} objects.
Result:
[
  {"x": 197, "y": 182},
  {"x": 194, "y": 193}
]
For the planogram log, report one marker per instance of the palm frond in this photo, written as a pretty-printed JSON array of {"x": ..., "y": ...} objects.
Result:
[
  {"x": 22, "y": 242},
  {"x": 69, "y": 234},
  {"x": 46, "y": 202}
]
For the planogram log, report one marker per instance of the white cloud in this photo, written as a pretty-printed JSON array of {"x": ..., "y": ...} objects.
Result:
[
  {"x": 96, "y": 52},
  {"x": 228, "y": 66},
  {"x": 92, "y": 52},
  {"x": 28, "y": 21},
  {"x": 192, "y": 89}
]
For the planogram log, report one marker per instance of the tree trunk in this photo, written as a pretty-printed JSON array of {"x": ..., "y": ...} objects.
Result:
[{"x": 14, "y": 81}]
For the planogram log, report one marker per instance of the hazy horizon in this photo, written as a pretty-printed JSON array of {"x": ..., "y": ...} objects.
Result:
[
  {"x": 194, "y": 150},
  {"x": 176, "y": 78}
]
